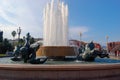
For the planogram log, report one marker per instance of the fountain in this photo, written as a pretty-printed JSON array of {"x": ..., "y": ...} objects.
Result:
[
  {"x": 56, "y": 31},
  {"x": 56, "y": 45}
]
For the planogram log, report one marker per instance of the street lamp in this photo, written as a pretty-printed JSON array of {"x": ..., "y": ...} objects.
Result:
[
  {"x": 19, "y": 32},
  {"x": 107, "y": 37},
  {"x": 77, "y": 56},
  {"x": 80, "y": 36}
]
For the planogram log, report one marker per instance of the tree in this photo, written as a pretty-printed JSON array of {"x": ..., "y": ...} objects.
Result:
[
  {"x": 13, "y": 34},
  {"x": 5, "y": 46},
  {"x": 32, "y": 40},
  {"x": 1, "y": 47},
  {"x": 1, "y": 36},
  {"x": 21, "y": 42}
]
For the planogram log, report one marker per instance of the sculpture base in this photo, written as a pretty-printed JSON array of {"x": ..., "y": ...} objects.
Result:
[{"x": 55, "y": 51}]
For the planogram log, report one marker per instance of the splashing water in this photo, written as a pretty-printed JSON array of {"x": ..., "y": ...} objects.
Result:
[{"x": 56, "y": 24}]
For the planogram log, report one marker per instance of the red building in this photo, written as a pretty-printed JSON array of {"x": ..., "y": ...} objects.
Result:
[
  {"x": 114, "y": 47},
  {"x": 98, "y": 46},
  {"x": 78, "y": 43}
]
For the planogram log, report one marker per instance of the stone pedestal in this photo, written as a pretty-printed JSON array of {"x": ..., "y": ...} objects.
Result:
[{"x": 55, "y": 51}]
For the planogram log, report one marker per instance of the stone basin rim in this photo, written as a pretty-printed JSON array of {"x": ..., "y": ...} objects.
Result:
[{"x": 67, "y": 67}]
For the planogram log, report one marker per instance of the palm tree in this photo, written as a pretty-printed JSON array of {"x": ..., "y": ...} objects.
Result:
[{"x": 13, "y": 34}]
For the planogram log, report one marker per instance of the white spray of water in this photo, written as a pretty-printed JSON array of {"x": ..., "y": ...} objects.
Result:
[{"x": 56, "y": 24}]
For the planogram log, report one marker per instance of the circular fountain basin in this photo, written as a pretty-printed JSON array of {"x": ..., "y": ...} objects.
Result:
[
  {"x": 7, "y": 60},
  {"x": 101, "y": 69}
]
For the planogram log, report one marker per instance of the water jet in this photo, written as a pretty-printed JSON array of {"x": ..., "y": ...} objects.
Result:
[{"x": 56, "y": 32}]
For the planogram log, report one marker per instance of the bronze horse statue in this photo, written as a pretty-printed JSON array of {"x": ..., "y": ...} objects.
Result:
[
  {"x": 27, "y": 53},
  {"x": 89, "y": 53}
]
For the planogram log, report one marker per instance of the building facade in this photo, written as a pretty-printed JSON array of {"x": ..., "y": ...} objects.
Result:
[{"x": 114, "y": 47}]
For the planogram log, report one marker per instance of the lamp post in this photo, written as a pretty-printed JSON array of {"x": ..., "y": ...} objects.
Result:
[
  {"x": 107, "y": 37},
  {"x": 80, "y": 36},
  {"x": 19, "y": 32},
  {"x": 77, "y": 56}
]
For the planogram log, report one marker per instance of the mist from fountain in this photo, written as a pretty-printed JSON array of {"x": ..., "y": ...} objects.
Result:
[{"x": 55, "y": 24}]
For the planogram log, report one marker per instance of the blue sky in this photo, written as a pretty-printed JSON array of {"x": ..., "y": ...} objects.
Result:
[
  {"x": 94, "y": 18},
  {"x": 100, "y": 17}
]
